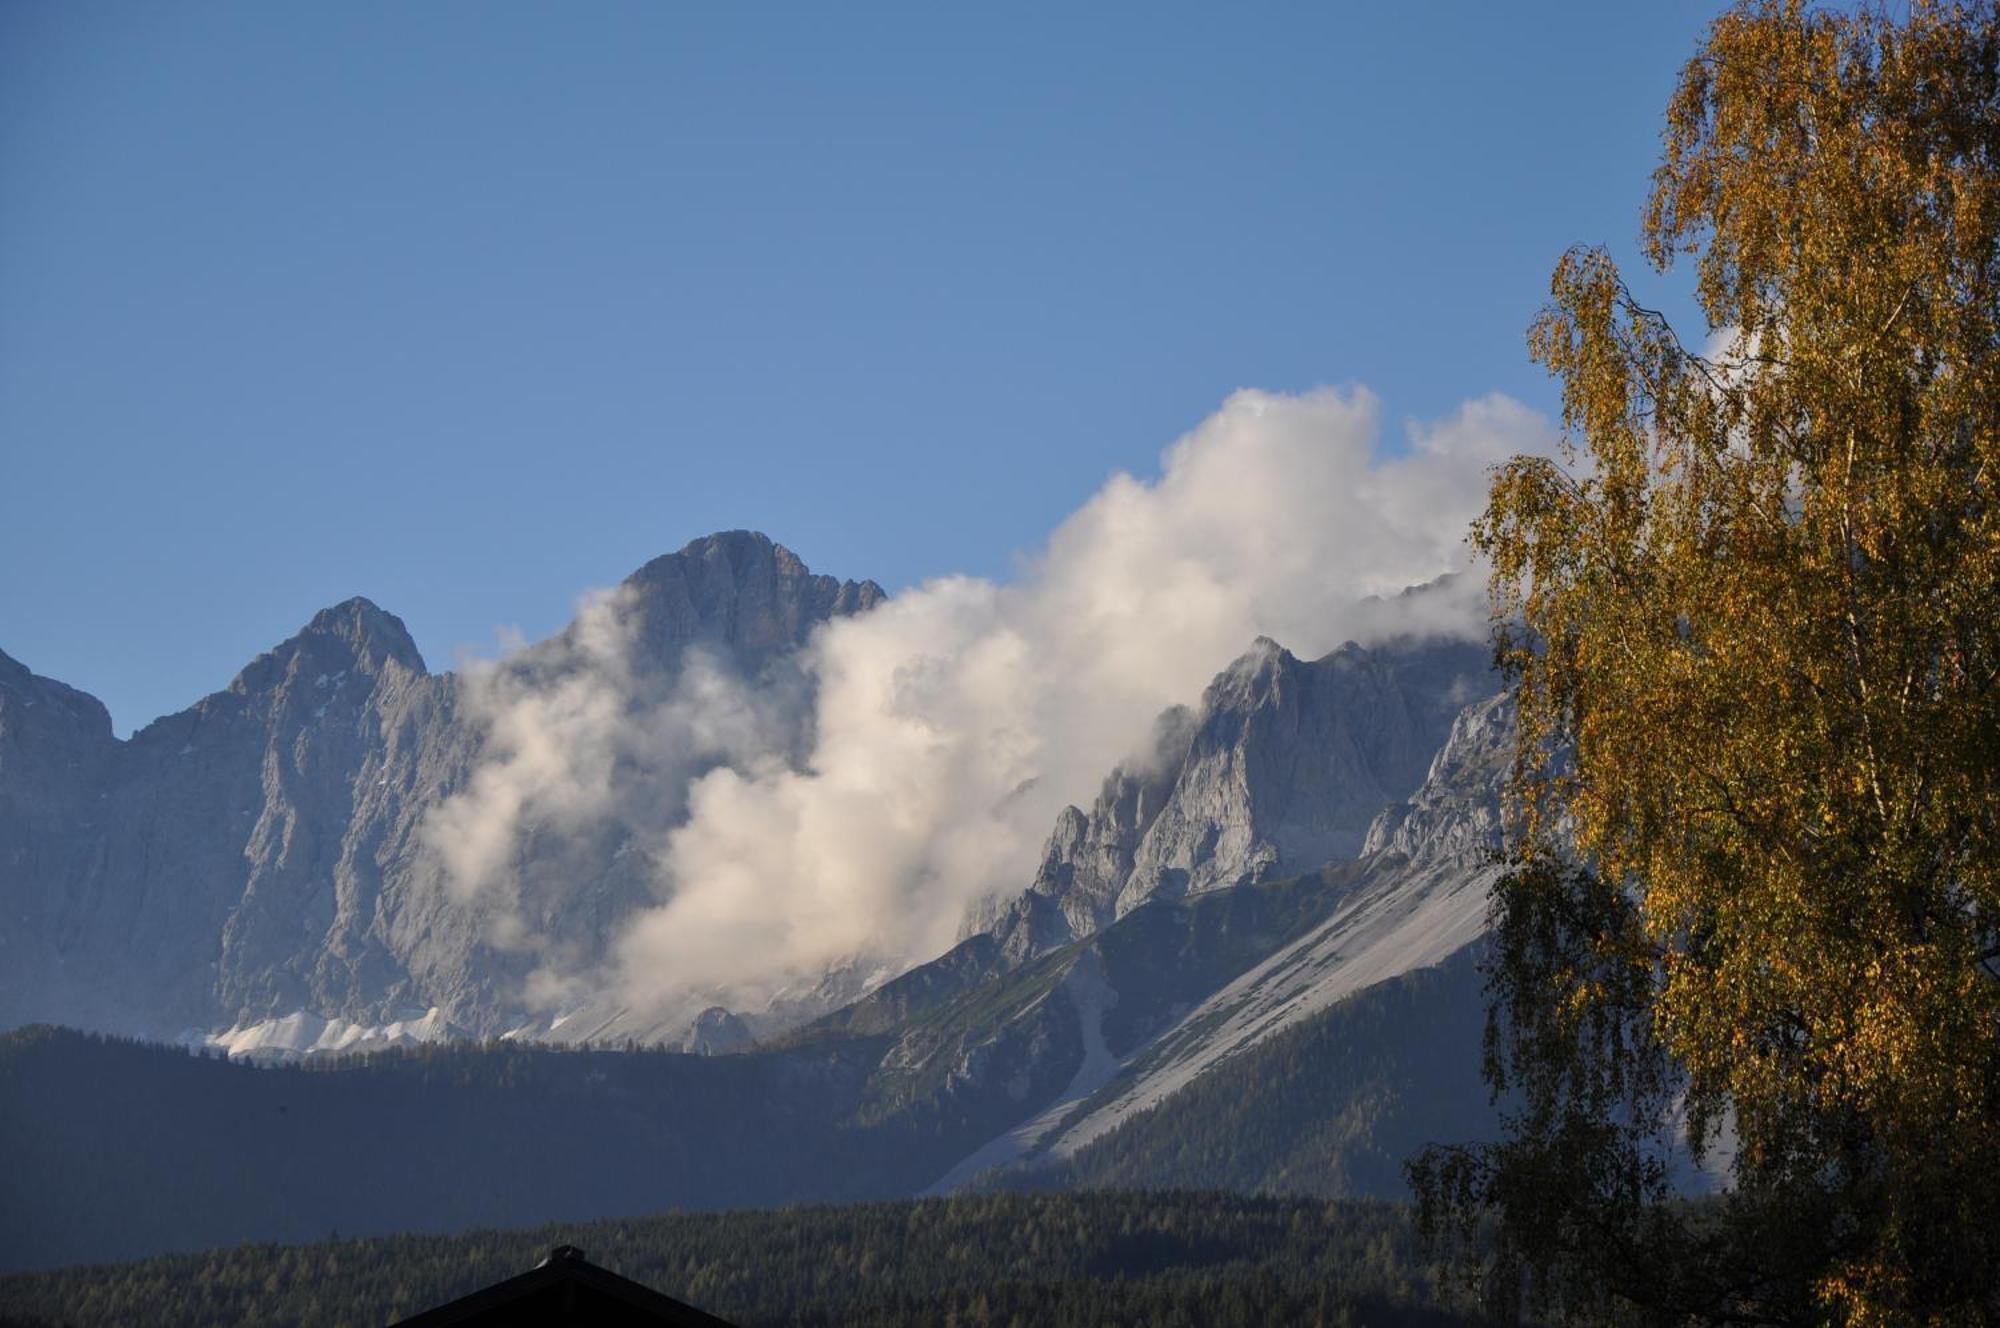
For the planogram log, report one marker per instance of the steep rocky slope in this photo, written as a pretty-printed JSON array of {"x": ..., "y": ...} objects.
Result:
[
  {"x": 1415, "y": 899},
  {"x": 1087, "y": 1013},
  {"x": 1283, "y": 768}
]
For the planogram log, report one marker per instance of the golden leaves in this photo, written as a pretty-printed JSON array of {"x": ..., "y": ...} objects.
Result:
[{"x": 1761, "y": 600}]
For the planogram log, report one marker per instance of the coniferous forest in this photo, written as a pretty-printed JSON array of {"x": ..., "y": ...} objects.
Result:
[
  {"x": 125, "y": 1149},
  {"x": 1085, "y": 1258}
]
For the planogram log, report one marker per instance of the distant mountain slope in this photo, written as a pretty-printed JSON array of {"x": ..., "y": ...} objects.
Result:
[
  {"x": 1178, "y": 992},
  {"x": 260, "y": 853},
  {"x": 1332, "y": 1105},
  {"x": 1418, "y": 897},
  {"x": 939, "y": 1078},
  {"x": 118, "y": 1149}
]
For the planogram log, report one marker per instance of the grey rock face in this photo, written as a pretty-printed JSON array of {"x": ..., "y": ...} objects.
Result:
[
  {"x": 1284, "y": 768},
  {"x": 1088, "y": 875},
  {"x": 741, "y": 592},
  {"x": 261, "y": 852},
  {"x": 55, "y": 745},
  {"x": 715, "y": 1031},
  {"x": 1456, "y": 816},
  {"x": 199, "y": 850},
  {"x": 1089, "y": 856},
  {"x": 1293, "y": 760},
  {"x": 1415, "y": 897}
]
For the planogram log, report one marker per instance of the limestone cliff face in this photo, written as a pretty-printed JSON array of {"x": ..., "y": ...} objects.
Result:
[
  {"x": 261, "y": 853},
  {"x": 1089, "y": 855},
  {"x": 741, "y": 593},
  {"x": 1283, "y": 769},
  {"x": 55, "y": 747},
  {"x": 1455, "y": 817},
  {"x": 1184, "y": 986},
  {"x": 1292, "y": 760},
  {"x": 1417, "y": 897}
]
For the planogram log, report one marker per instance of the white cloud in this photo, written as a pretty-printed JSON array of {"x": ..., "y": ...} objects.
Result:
[
  {"x": 952, "y": 723},
  {"x": 580, "y": 739},
  {"x": 948, "y": 726}
]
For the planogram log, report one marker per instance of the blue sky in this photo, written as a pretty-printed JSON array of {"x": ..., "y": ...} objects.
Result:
[{"x": 468, "y": 308}]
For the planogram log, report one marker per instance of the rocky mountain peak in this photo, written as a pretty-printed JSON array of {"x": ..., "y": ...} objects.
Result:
[
  {"x": 264, "y": 852},
  {"x": 1262, "y": 660},
  {"x": 369, "y": 632},
  {"x": 739, "y": 590},
  {"x": 1291, "y": 760},
  {"x": 353, "y": 636},
  {"x": 1266, "y": 670},
  {"x": 22, "y": 690},
  {"x": 1456, "y": 815},
  {"x": 14, "y": 675},
  {"x": 1283, "y": 769}
]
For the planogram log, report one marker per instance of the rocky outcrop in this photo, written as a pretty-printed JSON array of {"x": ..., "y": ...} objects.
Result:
[
  {"x": 1292, "y": 761},
  {"x": 56, "y": 746},
  {"x": 1089, "y": 855},
  {"x": 1456, "y": 816},
  {"x": 741, "y": 593},
  {"x": 213, "y": 863}
]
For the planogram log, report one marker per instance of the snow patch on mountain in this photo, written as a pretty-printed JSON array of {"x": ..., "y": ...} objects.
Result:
[{"x": 300, "y": 1034}]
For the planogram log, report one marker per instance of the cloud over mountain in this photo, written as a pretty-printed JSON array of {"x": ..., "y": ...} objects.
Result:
[{"x": 950, "y": 724}]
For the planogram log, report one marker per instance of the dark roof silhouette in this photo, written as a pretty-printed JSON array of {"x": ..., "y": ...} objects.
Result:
[{"x": 564, "y": 1288}]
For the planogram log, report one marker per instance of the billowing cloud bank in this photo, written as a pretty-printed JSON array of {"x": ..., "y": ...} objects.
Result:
[{"x": 949, "y": 726}]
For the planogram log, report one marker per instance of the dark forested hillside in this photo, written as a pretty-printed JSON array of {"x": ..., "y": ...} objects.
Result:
[
  {"x": 117, "y": 1149},
  {"x": 1058, "y": 1260}
]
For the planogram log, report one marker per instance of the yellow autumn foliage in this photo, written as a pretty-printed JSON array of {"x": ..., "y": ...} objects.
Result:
[{"x": 1754, "y": 612}]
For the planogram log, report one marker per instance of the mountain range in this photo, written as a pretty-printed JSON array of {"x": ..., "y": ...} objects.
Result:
[
  {"x": 1248, "y": 962},
  {"x": 260, "y": 855}
]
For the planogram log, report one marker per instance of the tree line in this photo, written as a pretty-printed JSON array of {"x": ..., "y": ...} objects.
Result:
[{"x": 1169, "y": 1259}]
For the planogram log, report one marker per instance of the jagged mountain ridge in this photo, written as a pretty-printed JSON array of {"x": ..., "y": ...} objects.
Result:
[
  {"x": 1416, "y": 898},
  {"x": 1311, "y": 828},
  {"x": 1294, "y": 949},
  {"x": 1013, "y": 1058},
  {"x": 1283, "y": 768},
  {"x": 259, "y": 853},
  {"x": 930, "y": 1083},
  {"x": 1087, "y": 1015}
]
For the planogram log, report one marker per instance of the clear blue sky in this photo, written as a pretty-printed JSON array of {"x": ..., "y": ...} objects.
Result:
[{"x": 467, "y": 307}]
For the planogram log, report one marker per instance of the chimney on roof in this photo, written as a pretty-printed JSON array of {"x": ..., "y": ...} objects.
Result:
[{"x": 562, "y": 1254}]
